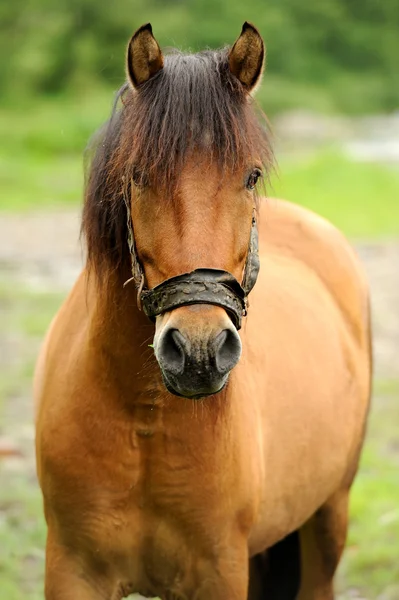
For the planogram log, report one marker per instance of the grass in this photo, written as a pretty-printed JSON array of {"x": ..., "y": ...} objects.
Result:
[
  {"x": 22, "y": 539},
  {"x": 41, "y": 151},
  {"x": 360, "y": 199},
  {"x": 370, "y": 563},
  {"x": 22, "y": 529},
  {"x": 41, "y": 167}
]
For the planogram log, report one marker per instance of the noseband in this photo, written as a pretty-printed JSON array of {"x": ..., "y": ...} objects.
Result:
[{"x": 201, "y": 286}]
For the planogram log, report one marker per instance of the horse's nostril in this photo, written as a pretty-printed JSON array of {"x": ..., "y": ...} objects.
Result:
[
  {"x": 171, "y": 351},
  {"x": 227, "y": 350},
  {"x": 197, "y": 366}
]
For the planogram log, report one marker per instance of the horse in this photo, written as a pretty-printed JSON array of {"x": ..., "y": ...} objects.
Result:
[{"x": 202, "y": 394}]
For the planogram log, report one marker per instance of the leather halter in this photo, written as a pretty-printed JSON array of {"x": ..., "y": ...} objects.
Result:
[{"x": 201, "y": 286}]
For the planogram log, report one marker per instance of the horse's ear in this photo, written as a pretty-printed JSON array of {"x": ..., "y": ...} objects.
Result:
[
  {"x": 144, "y": 57},
  {"x": 246, "y": 58}
]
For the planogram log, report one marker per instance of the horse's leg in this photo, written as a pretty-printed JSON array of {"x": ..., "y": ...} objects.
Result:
[
  {"x": 257, "y": 575},
  {"x": 275, "y": 573},
  {"x": 66, "y": 579},
  {"x": 322, "y": 542},
  {"x": 229, "y": 581},
  {"x": 223, "y": 588}
]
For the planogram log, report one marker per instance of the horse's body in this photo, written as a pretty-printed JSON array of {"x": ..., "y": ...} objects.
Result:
[{"x": 152, "y": 493}]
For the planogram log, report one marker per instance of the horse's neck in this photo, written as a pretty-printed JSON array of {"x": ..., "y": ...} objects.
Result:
[{"x": 120, "y": 335}]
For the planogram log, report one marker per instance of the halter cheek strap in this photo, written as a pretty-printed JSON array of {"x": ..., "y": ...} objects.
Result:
[
  {"x": 252, "y": 265},
  {"x": 201, "y": 286},
  {"x": 137, "y": 270}
]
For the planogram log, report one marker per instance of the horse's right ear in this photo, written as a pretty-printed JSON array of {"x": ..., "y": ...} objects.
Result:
[
  {"x": 246, "y": 58},
  {"x": 144, "y": 57}
]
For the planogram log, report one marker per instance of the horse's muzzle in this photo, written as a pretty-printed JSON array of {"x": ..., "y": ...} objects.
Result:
[{"x": 193, "y": 366}]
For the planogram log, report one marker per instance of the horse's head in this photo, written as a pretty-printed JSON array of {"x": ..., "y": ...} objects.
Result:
[
  {"x": 201, "y": 224},
  {"x": 189, "y": 152}
]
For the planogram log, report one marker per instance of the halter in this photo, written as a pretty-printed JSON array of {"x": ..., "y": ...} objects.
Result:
[{"x": 201, "y": 286}]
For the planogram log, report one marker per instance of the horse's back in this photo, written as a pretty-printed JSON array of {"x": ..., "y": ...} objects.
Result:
[
  {"x": 310, "y": 270},
  {"x": 289, "y": 230},
  {"x": 313, "y": 294}
]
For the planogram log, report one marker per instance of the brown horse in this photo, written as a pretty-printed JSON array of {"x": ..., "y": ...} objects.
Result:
[{"x": 216, "y": 462}]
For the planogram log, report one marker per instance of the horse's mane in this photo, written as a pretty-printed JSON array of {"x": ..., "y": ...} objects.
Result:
[{"x": 193, "y": 104}]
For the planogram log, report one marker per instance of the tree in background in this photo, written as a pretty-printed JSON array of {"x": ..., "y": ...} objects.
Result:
[{"x": 335, "y": 54}]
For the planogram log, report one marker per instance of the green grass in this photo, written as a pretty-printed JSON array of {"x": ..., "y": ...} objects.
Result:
[
  {"x": 27, "y": 315},
  {"x": 41, "y": 167},
  {"x": 22, "y": 538},
  {"x": 370, "y": 563},
  {"x": 28, "y": 311},
  {"x": 361, "y": 199},
  {"x": 41, "y": 151}
]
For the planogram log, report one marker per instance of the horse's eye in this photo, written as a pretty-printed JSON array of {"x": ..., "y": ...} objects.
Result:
[
  {"x": 139, "y": 179},
  {"x": 253, "y": 179}
]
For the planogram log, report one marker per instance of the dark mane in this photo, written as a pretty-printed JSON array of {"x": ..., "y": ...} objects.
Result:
[{"x": 193, "y": 104}]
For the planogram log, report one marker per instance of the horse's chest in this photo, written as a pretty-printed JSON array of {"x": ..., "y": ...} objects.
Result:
[
  {"x": 152, "y": 522},
  {"x": 151, "y": 553},
  {"x": 151, "y": 502}
]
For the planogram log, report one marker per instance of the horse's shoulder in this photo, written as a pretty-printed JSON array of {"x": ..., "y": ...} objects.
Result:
[
  {"x": 294, "y": 231},
  {"x": 62, "y": 338}
]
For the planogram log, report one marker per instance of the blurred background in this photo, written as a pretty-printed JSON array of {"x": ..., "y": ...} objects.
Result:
[{"x": 331, "y": 91}]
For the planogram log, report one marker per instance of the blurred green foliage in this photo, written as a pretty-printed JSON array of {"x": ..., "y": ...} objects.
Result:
[{"x": 331, "y": 55}]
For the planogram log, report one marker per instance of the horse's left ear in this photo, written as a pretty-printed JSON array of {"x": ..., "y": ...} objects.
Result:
[
  {"x": 144, "y": 57},
  {"x": 246, "y": 58}
]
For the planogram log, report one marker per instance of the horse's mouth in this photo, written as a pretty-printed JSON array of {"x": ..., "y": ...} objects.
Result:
[{"x": 192, "y": 394}]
